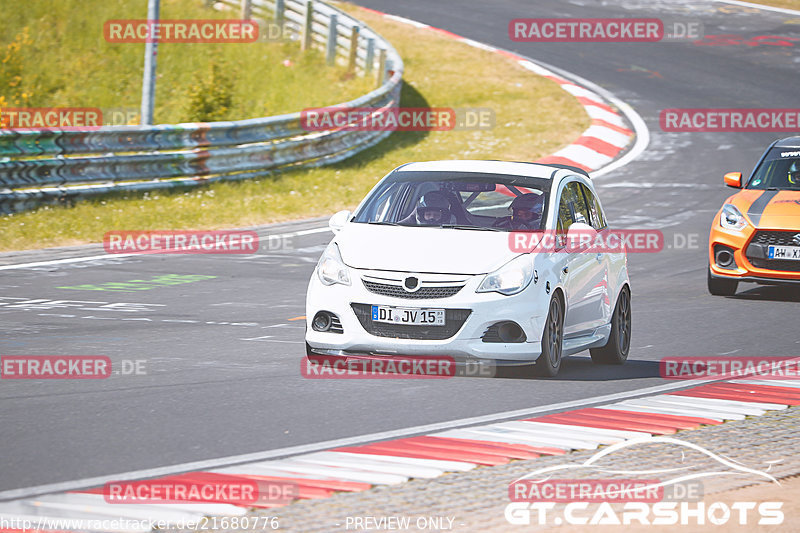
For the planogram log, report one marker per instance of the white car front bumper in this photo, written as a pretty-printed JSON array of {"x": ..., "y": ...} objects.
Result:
[{"x": 528, "y": 309}]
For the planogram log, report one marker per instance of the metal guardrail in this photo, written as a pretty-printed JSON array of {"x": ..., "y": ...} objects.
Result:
[{"x": 51, "y": 166}]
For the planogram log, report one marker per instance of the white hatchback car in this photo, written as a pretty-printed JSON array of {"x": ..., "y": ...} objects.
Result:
[{"x": 425, "y": 266}]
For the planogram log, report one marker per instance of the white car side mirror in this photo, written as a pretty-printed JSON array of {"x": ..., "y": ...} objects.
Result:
[
  {"x": 337, "y": 221},
  {"x": 580, "y": 236}
]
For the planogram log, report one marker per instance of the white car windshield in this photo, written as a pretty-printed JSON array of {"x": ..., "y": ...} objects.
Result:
[{"x": 458, "y": 200}]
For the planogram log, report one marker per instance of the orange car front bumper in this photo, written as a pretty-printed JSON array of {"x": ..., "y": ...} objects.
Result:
[{"x": 743, "y": 268}]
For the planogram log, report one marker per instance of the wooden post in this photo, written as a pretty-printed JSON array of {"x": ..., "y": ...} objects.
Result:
[
  {"x": 247, "y": 10},
  {"x": 307, "y": 26},
  {"x": 381, "y": 66},
  {"x": 370, "y": 58},
  {"x": 351, "y": 63},
  {"x": 332, "y": 34},
  {"x": 280, "y": 8}
]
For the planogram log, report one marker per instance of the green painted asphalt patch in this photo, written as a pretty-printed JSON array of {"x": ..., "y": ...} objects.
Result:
[{"x": 140, "y": 284}]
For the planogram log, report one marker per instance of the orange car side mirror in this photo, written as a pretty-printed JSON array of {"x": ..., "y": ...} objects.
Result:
[{"x": 733, "y": 179}]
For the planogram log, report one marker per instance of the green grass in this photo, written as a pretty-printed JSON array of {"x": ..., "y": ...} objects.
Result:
[
  {"x": 53, "y": 53},
  {"x": 533, "y": 117}
]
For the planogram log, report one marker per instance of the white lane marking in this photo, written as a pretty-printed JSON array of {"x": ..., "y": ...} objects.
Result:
[
  {"x": 618, "y": 434},
  {"x": 274, "y": 340},
  {"x": 702, "y": 403},
  {"x": 607, "y": 135},
  {"x": 562, "y": 432},
  {"x": 250, "y": 470},
  {"x": 602, "y": 114},
  {"x": 770, "y": 382},
  {"x": 342, "y": 474},
  {"x": 65, "y": 261},
  {"x": 324, "y": 445},
  {"x": 453, "y": 466},
  {"x": 350, "y": 460},
  {"x": 760, "y": 6},
  {"x": 681, "y": 411},
  {"x": 658, "y": 402},
  {"x": 636, "y": 121},
  {"x": 406, "y": 21},
  {"x": 535, "y": 438},
  {"x": 657, "y": 411},
  {"x": 654, "y": 185},
  {"x": 117, "y": 256},
  {"x": 263, "y": 337},
  {"x": 477, "y": 44},
  {"x": 535, "y": 67},
  {"x": 736, "y": 403},
  {"x": 584, "y": 155},
  {"x": 577, "y": 90},
  {"x": 503, "y": 438}
]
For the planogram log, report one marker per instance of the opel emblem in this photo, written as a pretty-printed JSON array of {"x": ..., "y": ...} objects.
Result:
[{"x": 411, "y": 284}]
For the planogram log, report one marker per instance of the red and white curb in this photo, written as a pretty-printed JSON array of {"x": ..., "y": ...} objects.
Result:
[
  {"x": 392, "y": 462},
  {"x": 599, "y": 145}
]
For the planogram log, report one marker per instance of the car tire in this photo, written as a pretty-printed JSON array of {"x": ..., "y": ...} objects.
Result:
[
  {"x": 615, "y": 352},
  {"x": 549, "y": 363},
  {"x": 721, "y": 286}
]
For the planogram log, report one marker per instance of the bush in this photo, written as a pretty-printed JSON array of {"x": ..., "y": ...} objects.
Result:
[
  {"x": 211, "y": 98},
  {"x": 12, "y": 90}
]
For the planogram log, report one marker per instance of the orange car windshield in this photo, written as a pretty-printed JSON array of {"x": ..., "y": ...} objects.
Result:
[{"x": 780, "y": 170}]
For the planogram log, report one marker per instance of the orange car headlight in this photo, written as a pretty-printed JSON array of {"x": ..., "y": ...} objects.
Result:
[{"x": 732, "y": 218}]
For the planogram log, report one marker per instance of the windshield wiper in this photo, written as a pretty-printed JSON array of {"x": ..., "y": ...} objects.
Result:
[
  {"x": 463, "y": 226},
  {"x": 384, "y": 223}
]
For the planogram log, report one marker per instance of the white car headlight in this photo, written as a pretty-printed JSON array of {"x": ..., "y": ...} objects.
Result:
[
  {"x": 510, "y": 278},
  {"x": 731, "y": 218},
  {"x": 331, "y": 269}
]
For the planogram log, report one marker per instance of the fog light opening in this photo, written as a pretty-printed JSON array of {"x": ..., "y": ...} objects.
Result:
[
  {"x": 724, "y": 258},
  {"x": 321, "y": 322},
  {"x": 510, "y": 332}
]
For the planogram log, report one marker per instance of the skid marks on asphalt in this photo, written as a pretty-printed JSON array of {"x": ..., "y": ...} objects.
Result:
[{"x": 283, "y": 331}]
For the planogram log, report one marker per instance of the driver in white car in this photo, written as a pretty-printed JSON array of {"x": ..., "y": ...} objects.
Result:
[
  {"x": 526, "y": 213},
  {"x": 433, "y": 210}
]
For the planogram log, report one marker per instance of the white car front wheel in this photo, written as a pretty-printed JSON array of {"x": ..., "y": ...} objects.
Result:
[{"x": 549, "y": 363}]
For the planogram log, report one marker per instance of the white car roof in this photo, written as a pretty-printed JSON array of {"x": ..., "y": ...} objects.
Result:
[{"x": 487, "y": 167}]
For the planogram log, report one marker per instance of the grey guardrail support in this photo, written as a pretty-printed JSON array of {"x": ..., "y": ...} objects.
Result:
[{"x": 55, "y": 166}]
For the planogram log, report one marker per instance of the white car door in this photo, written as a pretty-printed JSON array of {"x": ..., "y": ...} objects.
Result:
[
  {"x": 597, "y": 220},
  {"x": 584, "y": 274}
]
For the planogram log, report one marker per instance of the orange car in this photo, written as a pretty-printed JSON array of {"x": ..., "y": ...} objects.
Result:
[{"x": 756, "y": 235}]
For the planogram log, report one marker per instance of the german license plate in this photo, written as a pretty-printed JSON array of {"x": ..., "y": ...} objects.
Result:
[
  {"x": 407, "y": 315},
  {"x": 784, "y": 252}
]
